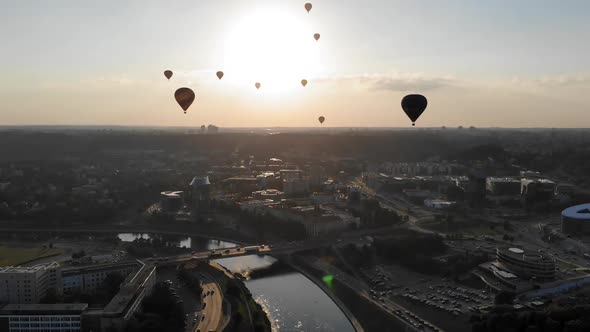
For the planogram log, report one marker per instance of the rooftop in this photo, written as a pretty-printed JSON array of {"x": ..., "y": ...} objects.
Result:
[
  {"x": 27, "y": 269},
  {"x": 537, "y": 180},
  {"x": 172, "y": 194},
  {"x": 503, "y": 179},
  {"x": 525, "y": 255},
  {"x": 98, "y": 267},
  {"x": 200, "y": 181},
  {"x": 62, "y": 308}
]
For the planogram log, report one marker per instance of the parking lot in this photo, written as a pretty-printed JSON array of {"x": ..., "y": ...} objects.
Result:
[
  {"x": 423, "y": 297},
  {"x": 183, "y": 294},
  {"x": 454, "y": 300}
]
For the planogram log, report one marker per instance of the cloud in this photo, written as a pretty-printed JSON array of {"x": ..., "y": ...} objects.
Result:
[
  {"x": 552, "y": 81},
  {"x": 410, "y": 83},
  {"x": 563, "y": 81},
  {"x": 401, "y": 82}
]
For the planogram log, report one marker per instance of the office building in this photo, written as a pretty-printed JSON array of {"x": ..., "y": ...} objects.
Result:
[
  {"x": 526, "y": 264},
  {"x": 200, "y": 196},
  {"x": 28, "y": 285},
  {"x": 317, "y": 176},
  {"x": 503, "y": 186},
  {"x": 63, "y": 317},
  {"x": 86, "y": 279},
  {"x": 537, "y": 189},
  {"x": 295, "y": 187},
  {"x": 291, "y": 174}
]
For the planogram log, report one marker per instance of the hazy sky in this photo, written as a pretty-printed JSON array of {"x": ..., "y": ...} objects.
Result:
[{"x": 507, "y": 63}]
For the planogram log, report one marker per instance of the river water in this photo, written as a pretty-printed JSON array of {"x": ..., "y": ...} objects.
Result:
[{"x": 292, "y": 302}]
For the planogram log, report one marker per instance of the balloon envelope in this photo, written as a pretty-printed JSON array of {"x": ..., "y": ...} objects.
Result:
[
  {"x": 184, "y": 97},
  {"x": 321, "y": 119},
  {"x": 308, "y": 7},
  {"x": 414, "y": 106},
  {"x": 219, "y": 74},
  {"x": 316, "y": 36},
  {"x": 257, "y": 85},
  {"x": 304, "y": 82},
  {"x": 168, "y": 73}
]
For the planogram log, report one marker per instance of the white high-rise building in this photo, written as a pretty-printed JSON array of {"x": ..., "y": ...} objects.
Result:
[{"x": 28, "y": 285}]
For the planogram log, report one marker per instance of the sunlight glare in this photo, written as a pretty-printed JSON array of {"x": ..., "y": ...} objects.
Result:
[{"x": 274, "y": 48}]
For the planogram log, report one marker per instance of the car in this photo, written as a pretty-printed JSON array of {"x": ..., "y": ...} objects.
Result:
[{"x": 203, "y": 317}]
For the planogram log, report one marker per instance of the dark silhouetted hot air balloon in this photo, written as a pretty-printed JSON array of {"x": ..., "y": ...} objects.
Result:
[
  {"x": 414, "y": 106},
  {"x": 304, "y": 82},
  {"x": 321, "y": 119},
  {"x": 219, "y": 74},
  {"x": 168, "y": 73},
  {"x": 257, "y": 85},
  {"x": 316, "y": 36},
  {"x": 308, "y": 7},
  {"x": 184, "y": 97}
]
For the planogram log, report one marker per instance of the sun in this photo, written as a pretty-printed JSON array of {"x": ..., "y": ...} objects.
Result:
[{"x": 273, "y": 47}]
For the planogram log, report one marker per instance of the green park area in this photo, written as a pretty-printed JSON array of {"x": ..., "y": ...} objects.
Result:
[{"x": 16, "y": 256}]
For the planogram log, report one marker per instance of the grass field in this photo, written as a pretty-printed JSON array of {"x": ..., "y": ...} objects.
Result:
[{"x": 15, "y": 256}]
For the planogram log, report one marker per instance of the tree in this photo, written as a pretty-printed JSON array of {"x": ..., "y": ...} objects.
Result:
[
  {"x": 552, "y": 325},
  {"x": 504, "y": 297}
]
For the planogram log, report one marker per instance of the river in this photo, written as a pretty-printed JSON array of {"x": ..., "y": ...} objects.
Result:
[{"x": 292, "y": 302}]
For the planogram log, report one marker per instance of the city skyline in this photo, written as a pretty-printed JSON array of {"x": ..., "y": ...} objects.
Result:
[{"x": 500, "y": 64}]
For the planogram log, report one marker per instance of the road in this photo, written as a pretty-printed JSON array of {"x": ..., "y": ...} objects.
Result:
[
  {"x": 210, "y": 317},
  {"x": 281, "y": 248}
]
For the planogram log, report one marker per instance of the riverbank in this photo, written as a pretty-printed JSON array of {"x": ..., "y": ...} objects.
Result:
[
  {"x": 245, "y": 314},
  {"x": 314, "y": 277},
  {"x": 362, "y": 313}
]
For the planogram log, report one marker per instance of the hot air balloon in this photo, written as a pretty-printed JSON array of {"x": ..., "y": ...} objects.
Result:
[
  {"x": 168, "y": 73},
  {"x": 308, "y": 7},
  {"x": 414, "y": 106},
  {"x": 257, "y": 85},
  {"x": 184, "y": 97},
  {"x": 304, "y": 83},
  {"x": 321, "y": 119},
  {"x": 316, "y": 36},
  {"x": 219, "y": 74}
]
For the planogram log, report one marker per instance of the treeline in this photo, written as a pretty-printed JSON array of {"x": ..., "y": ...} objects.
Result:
[
  {"x": 369, "y": 145},
  {"x": 240, "y": 297},
  {"x": 141, "y": 248},
  {"x": 414, "y": 251},
  {"x": 263, "y": 224},
  {"x": 503, "y": 318},
  {"x": 372, "y": 214},
  {"x": 160, "y": 312}
]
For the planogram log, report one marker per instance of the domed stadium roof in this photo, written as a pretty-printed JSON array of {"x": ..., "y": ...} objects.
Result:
[{"x": 577, "y": 212}]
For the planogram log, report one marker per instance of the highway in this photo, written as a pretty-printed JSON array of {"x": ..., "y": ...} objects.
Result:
[{"x": 211, "y": 315}]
